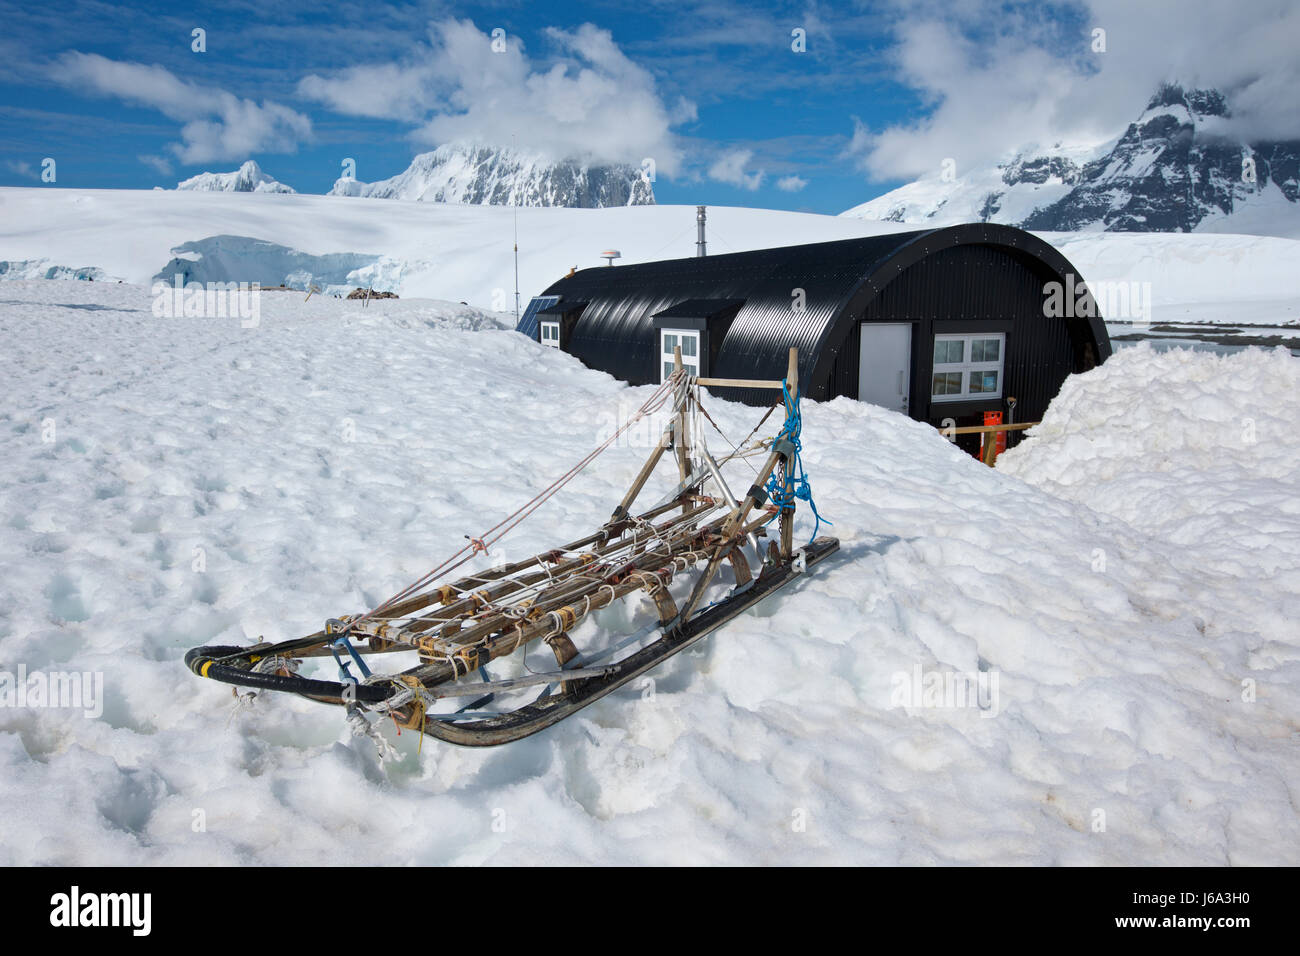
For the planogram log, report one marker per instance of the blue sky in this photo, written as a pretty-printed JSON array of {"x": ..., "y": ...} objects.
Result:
[{"x": 713, "y": 92}]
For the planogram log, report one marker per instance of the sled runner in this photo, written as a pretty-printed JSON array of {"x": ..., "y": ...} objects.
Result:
[{"x": 672, "y": 552}]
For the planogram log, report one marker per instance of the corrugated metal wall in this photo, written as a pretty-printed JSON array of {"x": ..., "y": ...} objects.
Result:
[
  {"x": 974, "y": 285},
  {"x": 973, "y": 274},
  {"x": 615, "y": 332}
]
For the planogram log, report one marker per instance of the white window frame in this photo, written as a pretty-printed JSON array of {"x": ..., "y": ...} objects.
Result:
[
  {"x": 966, "y": 366},
  {"x": 679, "y": 337},
  {"x": 549, "y": 325}
]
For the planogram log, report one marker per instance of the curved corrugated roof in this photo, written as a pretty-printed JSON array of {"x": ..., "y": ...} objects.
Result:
[{"x": 794, "y": 295}]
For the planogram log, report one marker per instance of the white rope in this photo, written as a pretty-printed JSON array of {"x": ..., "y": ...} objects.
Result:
[
  {"x": 274, "y": 663},
  {"x": 362, "y": 727},
  {"x": 641, "y": 538}
]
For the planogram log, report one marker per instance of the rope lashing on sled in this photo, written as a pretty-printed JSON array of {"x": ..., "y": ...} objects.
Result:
[
  {"x": 457, "y": 627},
  {"x": 795, "y": 485},
  {"x": 337, "y": 627},
  {"x": 481, "y": 543}
]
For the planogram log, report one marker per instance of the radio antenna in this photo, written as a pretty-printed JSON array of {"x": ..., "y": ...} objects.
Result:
[{"x": 515, "y": 203}]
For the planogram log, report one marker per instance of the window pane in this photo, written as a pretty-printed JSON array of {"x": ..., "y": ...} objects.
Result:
[
  {"x": 688, "y": 345},
  {"x": 946, "y": 383},
  {"x": 985, "y": 350},
  {"x": 946, "y": 352},
  {"x": 670, "y": 343},
  {"x": 668, "y": 369},
  {"x": 983, "y": 382}
]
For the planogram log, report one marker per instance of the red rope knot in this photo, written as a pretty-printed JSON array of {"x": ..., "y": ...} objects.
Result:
[{"x": 478, "y": 545}]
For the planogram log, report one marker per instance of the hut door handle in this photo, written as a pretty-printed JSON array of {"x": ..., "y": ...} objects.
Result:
[{"x": 900, "y": 381}]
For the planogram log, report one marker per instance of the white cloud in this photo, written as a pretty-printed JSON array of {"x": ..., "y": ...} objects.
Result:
[
  {"x": 22, "y": 168},
  {"x": 381, "y": 91},
  {"x": 592, "y": 102},
  {"x": 217, "y": 125},
  {"x": 1001, "y": 76},
  {"x": 158, "y": 163},
  {"x": 791, "y": 183},
  {"x": 731, "y": 168}
]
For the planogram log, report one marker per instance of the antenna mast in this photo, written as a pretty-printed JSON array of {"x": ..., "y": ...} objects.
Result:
[{"x": 515, "y": 203}]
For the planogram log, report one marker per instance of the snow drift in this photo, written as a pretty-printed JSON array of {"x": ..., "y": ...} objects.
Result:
[{"x": 168, "y": 483}]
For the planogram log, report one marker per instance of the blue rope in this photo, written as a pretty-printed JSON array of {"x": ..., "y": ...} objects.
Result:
[
  {"x": 796, "y": 486},
  {"x": 344, "y": 674}
]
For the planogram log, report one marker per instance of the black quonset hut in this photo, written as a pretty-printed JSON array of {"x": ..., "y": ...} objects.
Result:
[{"x": 940, "y": 324}]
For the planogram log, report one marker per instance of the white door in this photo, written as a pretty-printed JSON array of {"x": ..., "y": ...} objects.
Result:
[{"x": 885, "y": 364}]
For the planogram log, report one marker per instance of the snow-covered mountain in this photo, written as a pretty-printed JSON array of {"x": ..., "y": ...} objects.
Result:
[
  {"x": 1175, "y": 169},
  {"x": 1006, "y": 193},
  {"x": 481, "y": 175},
  {"x": 248, "y": 178}
]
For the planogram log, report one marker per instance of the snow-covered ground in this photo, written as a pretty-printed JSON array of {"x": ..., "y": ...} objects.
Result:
[
  {"x": 1194, "y": 277},
  {"x": 431, "y": 250},
  {"x": 464, "y": 253},
  {"x": 1126, "y": 582}
]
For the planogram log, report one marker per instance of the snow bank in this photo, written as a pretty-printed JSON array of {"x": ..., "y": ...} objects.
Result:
[
  {"x": 176, "y": 482},
  {"x": 1196, "y": 448}
]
